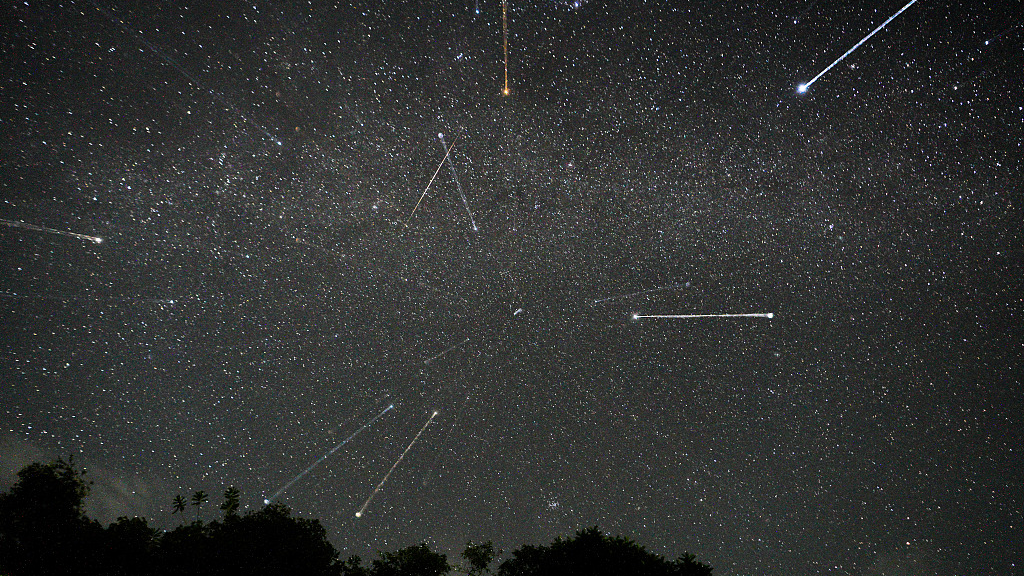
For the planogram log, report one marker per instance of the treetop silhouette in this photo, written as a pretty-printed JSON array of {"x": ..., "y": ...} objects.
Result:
[
  {"x": 592, "y": 553},
  {"x": 44, "y": 532}
]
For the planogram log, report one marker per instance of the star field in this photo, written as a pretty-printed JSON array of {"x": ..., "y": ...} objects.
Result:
[{"x": 263, "y": 289}]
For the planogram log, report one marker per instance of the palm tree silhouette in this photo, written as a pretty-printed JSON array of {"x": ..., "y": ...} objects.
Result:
[
  {"x": 197, "y": 500},
  {"x": 231, "y": 498},
  {"x": 179, "y": 506}
]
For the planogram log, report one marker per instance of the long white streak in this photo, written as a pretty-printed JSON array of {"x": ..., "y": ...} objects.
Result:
[
  {"x": 458, "y": 184},
  {"x": 449, "y": 151},
  {"x": 803, "y": 87},
  {"x": 658, "y": 289},
  {"x": 326, "y": 456},
  {"x": 683, "y": 316},
  {"x": 27, "y": 226},
  {"x": 397, "y": 462},
  {"x": 445, "y": 351}
]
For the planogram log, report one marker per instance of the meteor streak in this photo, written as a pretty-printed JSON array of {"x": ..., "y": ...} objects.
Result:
[
  {"x": 359, "y": 514},
  {"x": 449, "y": 151},
  {"x": 684, "y": 316},
  {"x": 1001, "y": 34},
  {"x": 325, "y": 456},
  {"x": 457, "y": 184},
  {"x": 504, "y": 35},
  {"x": 27, "y": 226},
  {"x": 803, "y": 87},
  {"x": 445, "y": 351}
]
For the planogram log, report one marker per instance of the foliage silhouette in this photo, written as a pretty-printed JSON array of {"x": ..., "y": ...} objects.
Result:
[
  {"x": 266, "y": 541},
  {"x": 127, "y": 547},
  {"x": 44, "y": 532},
  {"x": 231, "y": 502},
  {"x": 592, "y": 553},
  {"x": 271, "y": 541},
  {"x": 479, "y": 557},
  {"x": 178, "y": 506},
  {"x": 353, "y": 566},
  {"x": 198, "y": 499},
  {"x": 41, "y": 515},
  {"x": 417, "y": 560}
]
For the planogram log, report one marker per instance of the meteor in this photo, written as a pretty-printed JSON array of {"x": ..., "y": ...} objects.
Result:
[
  {"x": 449, "y": 151},
  {"x": 687, "y": 316},
  {"x": 803, "y": 87},
  {"x": 359, "y": 514},
  {"x": 33, "y": 227},
  {"x": 457, "y": 183},
  {"x": 504, "y": 35},
  {"x": 445, "y": 351},
  {"x": 325, "y": 456}
]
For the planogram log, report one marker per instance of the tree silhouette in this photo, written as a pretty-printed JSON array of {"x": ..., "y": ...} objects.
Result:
[
  {"x": 352, "y": 567},
  {"x": 479, "y": 557},
  {"x": 42, "y": 526},
  {"x": 188, "y": 549},
  {"x": 687, "y": 565},
  {"x": 198, "y": 499},
  {"x": 271, "y": 541},
  {"x": 417, "y": 560},
  {"x": 179, "y": 506},
  {"x": 127, "y": 548},
  {"x": 592, "y": 553},
  {"x": 231, "y": 499},
  {"x": 44, "y": 532}
]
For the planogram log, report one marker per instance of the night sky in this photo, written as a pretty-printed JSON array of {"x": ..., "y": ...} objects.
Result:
[{"x": 263, "y": 289}]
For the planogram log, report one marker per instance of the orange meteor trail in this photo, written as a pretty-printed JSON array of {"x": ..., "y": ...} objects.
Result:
[{"x": 504, "y": 34}]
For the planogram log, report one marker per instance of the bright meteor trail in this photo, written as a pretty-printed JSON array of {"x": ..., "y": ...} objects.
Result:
[
  {"x": 504, "y": 35},
  {"x": 325, "y": 456},
  {"x": 397, "y": 462},
  {"x": 684, "y": 316},
  {"x": 27, "y": 226},
  {"x": 803, "y": 87},
  {"x": 447, "y": 152}
]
